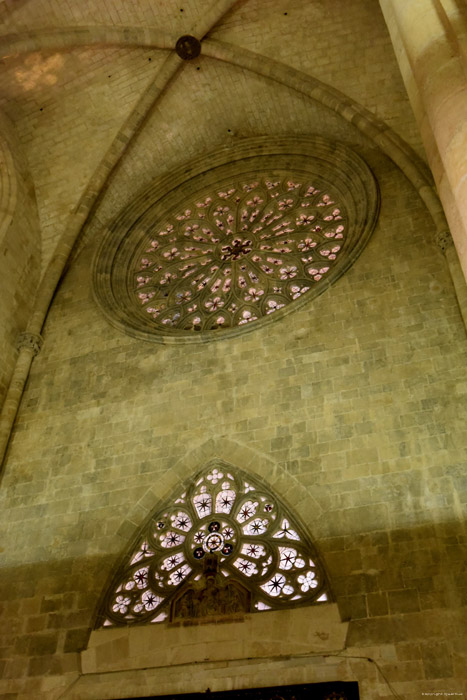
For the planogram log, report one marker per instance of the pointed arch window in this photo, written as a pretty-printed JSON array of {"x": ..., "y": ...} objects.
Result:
[{"x": 223, "y": 545}]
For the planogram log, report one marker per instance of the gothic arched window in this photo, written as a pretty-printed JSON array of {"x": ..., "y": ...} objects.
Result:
[{"x": 223, "y": 545}]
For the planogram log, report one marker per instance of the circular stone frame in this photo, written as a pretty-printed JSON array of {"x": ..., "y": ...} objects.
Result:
[{"x": 331, "y": 165}]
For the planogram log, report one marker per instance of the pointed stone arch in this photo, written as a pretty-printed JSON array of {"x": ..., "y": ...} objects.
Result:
[{"x": 236, "y": 453}]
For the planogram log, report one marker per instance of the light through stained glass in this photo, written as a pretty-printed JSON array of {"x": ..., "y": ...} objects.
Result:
[
  {"x": 235, "y": 240},
  {"x": 234, "y": 518},
  {"x": 244, "y": 252}
]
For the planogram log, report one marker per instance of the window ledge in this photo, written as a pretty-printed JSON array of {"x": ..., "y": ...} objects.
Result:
[{"x": 297, "y": 631}]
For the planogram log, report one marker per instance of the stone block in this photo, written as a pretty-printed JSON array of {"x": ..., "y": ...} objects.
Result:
[
  {"x": 377, "y": 604},
  {"x": 76, "y": 640},
  {"x": 437, "y": 660},
  {"x": 42, "y": 644},
  {"x": 403, "y": 601},
  {"x": 353, "y": 607},
  {"x": 43, "y": 665}
]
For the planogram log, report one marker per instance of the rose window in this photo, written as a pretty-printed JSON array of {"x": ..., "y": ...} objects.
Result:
[
  {"x": 235, "y": 240},
  {"x": 228, "y": 515},
  {"x": 246, "y": 251}
]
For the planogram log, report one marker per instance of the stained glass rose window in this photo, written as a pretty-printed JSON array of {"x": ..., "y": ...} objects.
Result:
[
  {"x": 239, "y": 254},
  {"x": 236, "y": 240}
]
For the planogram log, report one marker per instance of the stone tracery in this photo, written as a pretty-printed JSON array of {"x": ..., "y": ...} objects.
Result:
[
  {"x": 244, "y": 252},
  {"x": 224, "y": 516},
  {"x": 236, "y": 239}
]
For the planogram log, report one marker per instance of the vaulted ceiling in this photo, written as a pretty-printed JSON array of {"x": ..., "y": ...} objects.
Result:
[{"x": 73, "y": 74}]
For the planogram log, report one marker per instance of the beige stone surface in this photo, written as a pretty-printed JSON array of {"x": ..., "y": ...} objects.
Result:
[
  {"x": 352, "y": 408},
  {"x": 312, "y": 630},
  {"x": 20, "y": 248},
  {"x": 433, "y": 64}
]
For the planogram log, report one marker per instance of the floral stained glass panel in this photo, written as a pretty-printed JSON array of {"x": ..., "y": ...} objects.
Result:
[
  {"x": 230, "y": 515},
  {"x": 240, "y": 254}
]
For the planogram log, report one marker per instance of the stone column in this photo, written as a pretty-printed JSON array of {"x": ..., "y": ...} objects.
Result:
[
  {"x": 429, "y": 39},
  {"x": 28, "y": 346},
  {"x": 444, "y": 242}
]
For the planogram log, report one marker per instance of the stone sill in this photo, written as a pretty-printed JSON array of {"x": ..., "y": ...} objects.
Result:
[{"x": 298, "y": 631}]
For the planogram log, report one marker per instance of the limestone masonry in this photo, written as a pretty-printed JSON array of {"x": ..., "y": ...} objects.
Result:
[{"x": 350, "y": 410}]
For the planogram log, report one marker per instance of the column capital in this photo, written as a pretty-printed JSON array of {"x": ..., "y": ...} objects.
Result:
[
  {"x": 31, "y": 341},
  {"x": 443, "y": 240}
]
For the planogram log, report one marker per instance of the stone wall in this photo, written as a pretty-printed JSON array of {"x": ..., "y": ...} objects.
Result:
[
  {"x": 350, "y": 408},
  {"x": 432, "y": 63},
  {"x": 20, "y": 248},
  {"x": 69, "y": 95}
]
